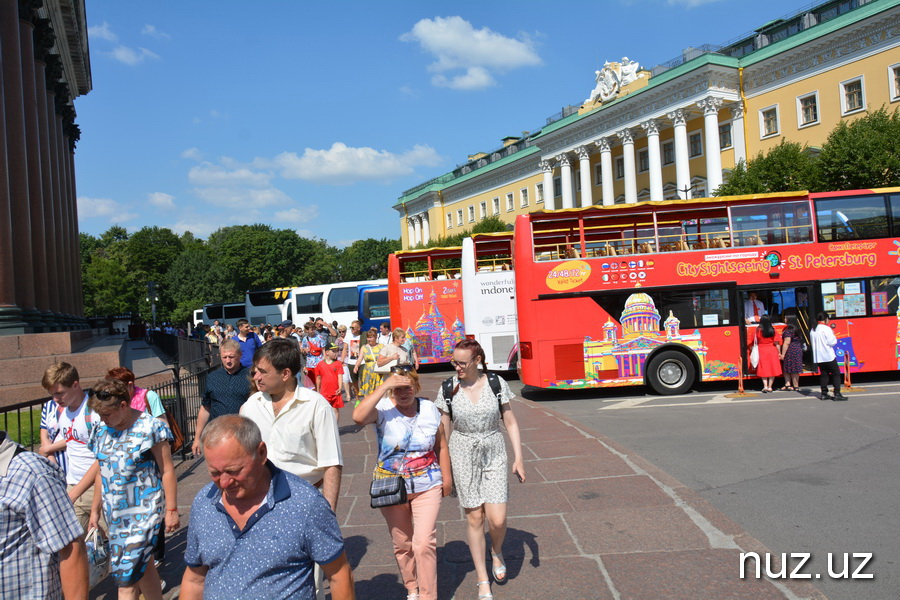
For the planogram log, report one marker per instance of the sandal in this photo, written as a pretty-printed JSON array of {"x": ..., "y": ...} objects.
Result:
[
  {"x": 489, "y": 595},
  {"x": 498, "y": 568}
]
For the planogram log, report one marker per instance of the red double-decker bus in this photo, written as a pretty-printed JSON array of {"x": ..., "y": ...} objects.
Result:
[
  {"x": 658, "y": 293},
  {"x": 425, "y": 297}
]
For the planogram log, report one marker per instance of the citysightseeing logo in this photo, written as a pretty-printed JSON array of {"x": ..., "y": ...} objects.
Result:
[
  {"x": 714, "y": 269},
  {"x": 568, "y": 275}
]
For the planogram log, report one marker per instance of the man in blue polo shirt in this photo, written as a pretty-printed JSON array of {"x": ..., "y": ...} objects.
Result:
[
  {"x": 248, "y": 340},
  {"x": 256, "y": 530}
]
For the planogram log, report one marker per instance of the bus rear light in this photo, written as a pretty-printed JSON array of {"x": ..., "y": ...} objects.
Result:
[
  {"x": 470, "y": 336},
  {"x": 525, "y": 350}
]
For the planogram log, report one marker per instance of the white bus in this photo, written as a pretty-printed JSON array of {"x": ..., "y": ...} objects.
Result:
[
  {"x": 226, "y": 313},
  {"x": 266, "y": 306},
  {"x": 489, "y": 297},
  {"x": 333, "y": 301}
]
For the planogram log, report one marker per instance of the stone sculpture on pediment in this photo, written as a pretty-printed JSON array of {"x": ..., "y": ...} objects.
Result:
[{"x": 612, "y": 78}]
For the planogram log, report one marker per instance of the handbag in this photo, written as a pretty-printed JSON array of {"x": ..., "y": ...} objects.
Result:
[
  {"x": 385, "y": 368},
  {"x": 754, "y": 353},
  {"x": 387, "y": 492},
  {"x": 98, "y": 556}
]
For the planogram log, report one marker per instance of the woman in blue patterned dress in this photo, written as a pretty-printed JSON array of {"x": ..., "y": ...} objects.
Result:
[{"x": 139, "y": 487}]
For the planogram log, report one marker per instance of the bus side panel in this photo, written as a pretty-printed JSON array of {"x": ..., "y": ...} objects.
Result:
[
  {"x": 529, "y": 330},
  {"x": 431, "y": 313},
  {"x": 490, "y": 301}
]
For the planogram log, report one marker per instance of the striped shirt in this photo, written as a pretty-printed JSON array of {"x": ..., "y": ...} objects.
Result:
[{"x": 50, "y": 422}]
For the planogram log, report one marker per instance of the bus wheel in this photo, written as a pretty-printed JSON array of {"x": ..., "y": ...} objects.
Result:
[{"x": 670, "y": 372}]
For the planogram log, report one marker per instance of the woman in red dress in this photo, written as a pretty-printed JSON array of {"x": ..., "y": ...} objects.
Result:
[{"x": 769, "y": 366}]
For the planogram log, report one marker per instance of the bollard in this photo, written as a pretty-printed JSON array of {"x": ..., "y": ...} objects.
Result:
[
  {"x": 740, "y": 393},
  {"x": 848, "y": 387}
]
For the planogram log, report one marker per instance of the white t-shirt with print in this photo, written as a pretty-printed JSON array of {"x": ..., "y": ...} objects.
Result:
[
  {"x": 77, "y": 430},
  {"x": 353, "y": 348}
]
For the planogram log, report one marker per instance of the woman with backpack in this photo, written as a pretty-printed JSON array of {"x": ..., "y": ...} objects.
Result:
[{"x": 474, "y": 402}]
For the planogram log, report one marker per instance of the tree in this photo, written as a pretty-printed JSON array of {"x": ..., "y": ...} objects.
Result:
[
  {"x": 151, "y": 250},
  {"x": 491, "y": 224},
  {"x": 862, "y": 154},
  {"x": 366, "y": 259},
  {"x": 108, "y": 288},
  {"x": 788, "y": 167},
  {"x": 195, "y": 279}
]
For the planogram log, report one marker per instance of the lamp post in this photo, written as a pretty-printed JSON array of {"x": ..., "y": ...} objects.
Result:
[{"x": 152, "y": 298}]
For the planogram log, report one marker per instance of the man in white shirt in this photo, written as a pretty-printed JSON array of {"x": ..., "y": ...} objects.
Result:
[
  {"x": 75, "y": 421},
  {"x": 384, "y": 335},
  {"x": 350, "y": 354},
  {"x": 753, "y": 309},
  {"x": 823, "y": 341}
]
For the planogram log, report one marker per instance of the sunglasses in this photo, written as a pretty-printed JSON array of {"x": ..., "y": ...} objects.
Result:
[
  {"x": 104, "y": 395},
  {"x": 401, "y": 369}
]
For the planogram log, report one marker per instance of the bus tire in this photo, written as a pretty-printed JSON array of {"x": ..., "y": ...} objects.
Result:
[{"x": 670, "y": 372}]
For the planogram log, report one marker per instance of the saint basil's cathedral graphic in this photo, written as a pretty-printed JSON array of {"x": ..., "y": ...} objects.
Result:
[{"x": 433, "y": 340}]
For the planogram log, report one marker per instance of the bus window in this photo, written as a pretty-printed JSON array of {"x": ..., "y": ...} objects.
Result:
[
  {"x": 375, "y": 304},
  {"x": 234, "y": 311},
  {"x": 214, "y": 312},
  {"x": 693, "y": 308},
  {"x": 771, "y": 223},
  {"x": 884, "y": 295},
  {"x": 851, "y": 218},
  {"x": 343, "y": 299},
  {"x": 844, "y": 298},
  {"x": 309, "y": 304}
]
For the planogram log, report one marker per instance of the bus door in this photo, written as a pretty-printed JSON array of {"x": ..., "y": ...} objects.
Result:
[{"x": 782, "y": 303}]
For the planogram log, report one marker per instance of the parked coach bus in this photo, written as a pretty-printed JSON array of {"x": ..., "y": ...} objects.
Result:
[
  {"x": 332, "y": 301},
  {"x": 489, "y": 297},
  {"x": 655, "y": 293},
  {"x": 266, "y": 306},
  {"x": 374, "y": 308},
  {"x": 425, "y": 295},
  {"x": 226, "y": 313}
]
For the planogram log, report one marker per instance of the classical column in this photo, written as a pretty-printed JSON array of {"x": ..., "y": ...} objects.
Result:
[
  {"x": 627, "y": 137},
  {"x": 565, "y": 172},
  {"x": 417, "y": 228},
  {"x": 584, "y": 165},
  {"x": 606, "y": 172},
  {"x": 656, "y": 181},
  {"x": 710, "y": 108},
  {"x": 76, "y": 255},
  {"x": 410, "y": 234},
  {"x": 64, "y": 229},
  {"x": 547, "y": 168},
  {"x": 426, "y": 229},
  {"x": 33, "y": 158},
  {"x": 53, "y": 71},
  {"x": 16, "y": 157},
  {"x": 737, "y": 132},
  {"x": 682, "y": 157}
]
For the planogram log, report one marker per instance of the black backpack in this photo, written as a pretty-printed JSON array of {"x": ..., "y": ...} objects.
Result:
[{"x": 447, "y": 387}]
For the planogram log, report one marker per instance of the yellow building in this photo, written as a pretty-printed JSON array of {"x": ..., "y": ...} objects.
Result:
[{"x": 673, "y": 130}]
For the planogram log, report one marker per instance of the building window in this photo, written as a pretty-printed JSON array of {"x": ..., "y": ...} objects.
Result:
[
  {"x": 768, "y": 121},
  {"x": 483, "y": 212},
  {"x": 695, "y": 144},
  {"x": 852, "y": 97},
  {"x": 510, "y": 204},
  {"x": 598, "y": 174},
  {"x": 449, "y": 221},
  {"x": 725, "y": 140},
  {"x": 471, "y": 214},
  {"x": 539, "y": 188},
  {"x": 643, "y": 161},
  {"x": 523, "y": 194},
  {"x": 496, "y": 203},
  {"x": 894, "y": 83},
  {"x": 668, "y": 151},
  {"x": 557, "y": 187},
  {"x": 459, "y": 219},
  {"x": 620, "y": 168},
  {"x": 808, "y": 109}
]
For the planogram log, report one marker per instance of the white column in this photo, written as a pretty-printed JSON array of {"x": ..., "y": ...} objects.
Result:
[
  {"x": 547, "y": 168},
  {"x": 584, "y": 164},
  {"x": 566, "y": 175},
  {"x": 410, "y": 233},
  {"x": 627, "y": 138},
  {"x": 656, "y": 182},
  {"x": 606, "y": 172},
  {"x": 682, "y": 166},
  {"x": 417, "y": 229},
  {"x": 426, "y": 229},
  {"x": 710, "y": 108},
  {"x": 737, "y": 132}
]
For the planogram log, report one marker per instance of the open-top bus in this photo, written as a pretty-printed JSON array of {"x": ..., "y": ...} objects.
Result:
[
  {"x": 654, "y": 293},
  {"x": 425, "y": 295},
  {"x": 489, "y": 297}
]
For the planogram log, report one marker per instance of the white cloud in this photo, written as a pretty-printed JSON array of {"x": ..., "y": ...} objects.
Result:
[
  {"x": 93, "y": 208},
  {"x": 243, "y": 197},
  {"x": 296, "y": 216},
  {"x": 457, "y": 45},
  {"x": 152, "y": 31},
  {"x": 342, "y": 164},
  {"x": 161, "y": 200},
  {"x": 130, "y": 56},
  {"x": 102, "y": 32},
  {"x": 192, "y": 154},
  {"x": 216, "y": 175}
]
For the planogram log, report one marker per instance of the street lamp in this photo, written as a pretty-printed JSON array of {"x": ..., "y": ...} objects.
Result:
[{"x": 152, "y": 298}]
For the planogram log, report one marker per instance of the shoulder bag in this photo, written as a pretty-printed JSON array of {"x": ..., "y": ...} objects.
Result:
[{"x": 390, "y": 491}]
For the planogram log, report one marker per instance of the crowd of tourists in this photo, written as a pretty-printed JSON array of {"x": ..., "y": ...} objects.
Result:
[{"x": 268, "y": 431}]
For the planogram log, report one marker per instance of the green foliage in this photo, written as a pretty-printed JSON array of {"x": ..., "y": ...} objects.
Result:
[
  {"x": 367, "y": 259},
  {"x": 788, "y": 167},
  {"x": 491, "y": 224},
  {"x": 861, "y": 154}
]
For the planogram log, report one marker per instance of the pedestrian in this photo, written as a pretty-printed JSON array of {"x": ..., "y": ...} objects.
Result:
[
  {"x": 384, "y": 337},
  {"x": 475, "y": 402},
  {"x": 329, "y": 375},
  {"x": 141, "y": 399},
  {"x": 792, "y": 354},
  {"x": 350, "y": 357},
  {"x": 53, "y": 444},
  {"x": 230, "y": 332},
  {"x": 135, "y": 476},
  {"x": 411, "y": 444},
  {"x": 768, "y": 341},
  {"x": 43, "y": 553},
  {"x": 256, "y": 531},
  {"x": 365, "y": 366},
  {"x": 248, "y": 340},
  {"x": 823, "y": 341},
  {"x": 226, "y": 390},
  {"x": 312, "y": 346},
  {"x": 395, "y": 350}
]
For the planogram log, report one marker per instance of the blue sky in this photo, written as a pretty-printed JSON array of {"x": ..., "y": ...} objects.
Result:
[{"x": 316, "y": 116}]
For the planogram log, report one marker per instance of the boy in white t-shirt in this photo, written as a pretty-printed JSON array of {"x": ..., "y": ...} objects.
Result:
[{"x": 74, "y": 420}]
